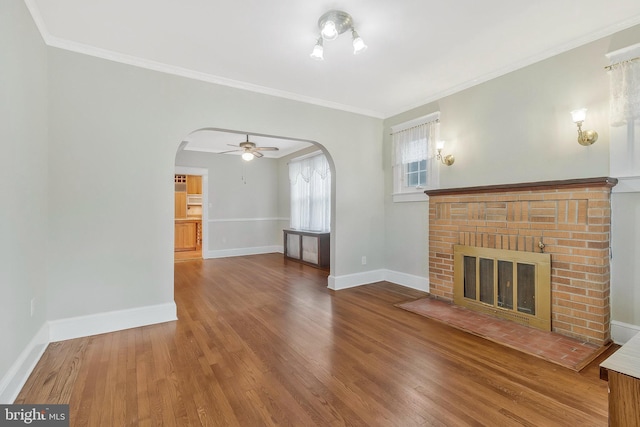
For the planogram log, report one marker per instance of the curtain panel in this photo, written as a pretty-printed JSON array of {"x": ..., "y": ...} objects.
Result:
[
  {"x": 310, "y": 182},
  {"x": 416, "y": 144},
  {"x": 624, "y": 81}
]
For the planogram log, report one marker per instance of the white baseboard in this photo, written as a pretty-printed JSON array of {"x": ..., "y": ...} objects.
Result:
[
  {"x": 622, "y": 332},
  {"x": 76, "y": 327},
  {"x": 225, "y": 253},
  {"x": 19, "y": 372},
  {"x": 94, "y": 324},
  {"x": 358, "y": 279},
  {"x": 408, "y": 280}
]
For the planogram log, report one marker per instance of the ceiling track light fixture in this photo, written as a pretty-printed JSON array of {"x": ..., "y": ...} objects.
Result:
[{"x": 331, "y": 25}]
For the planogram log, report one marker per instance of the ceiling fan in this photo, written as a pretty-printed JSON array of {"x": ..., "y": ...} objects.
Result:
[{"x": 249, "y": 149}]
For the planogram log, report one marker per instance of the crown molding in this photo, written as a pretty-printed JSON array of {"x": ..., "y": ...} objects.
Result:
[
  {"x": 580, "y": 41},
  {"x": 64, "y": 44},
  {"x": 60, "y": 43}
]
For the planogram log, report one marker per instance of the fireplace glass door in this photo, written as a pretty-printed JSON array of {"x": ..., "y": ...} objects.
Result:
[
  {"x": 507, "y": 282},
  {"x": 522, "y": 290}
]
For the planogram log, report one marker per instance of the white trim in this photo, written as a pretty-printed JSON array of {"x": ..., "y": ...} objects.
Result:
[
  {"x": 624, "y": 54},
  {"x": 110, "y": 55},
  {"x": 169, "y": 69},
  {"x": 37, "y": 19},
  {"x": 94, "y": 324},
  {"x": 227, "y": 253},
  {"x": 413, "y": 196},
  {"x": 408, "y": 280},
  {"x": 415, "y": 122},
  {"x": 77, "y": 327},
  {"x": 627, "y": 184},
  {"x": 556, "y": 50},
  {"x": 19, "y": 372},
  {"x": 188, "y": 170},
  {"x": 248, "y": 219},
  {"x": 306, "y": 156},
  {"x": 357, "y": 279},
  {"x": 622, "y": 332},
  {"x": 367, "y": 277}
]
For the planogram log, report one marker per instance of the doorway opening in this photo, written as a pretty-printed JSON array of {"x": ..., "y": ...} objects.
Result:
[
  {"x": 190, "y": 212},
  {"x": 245, "y": 204}
]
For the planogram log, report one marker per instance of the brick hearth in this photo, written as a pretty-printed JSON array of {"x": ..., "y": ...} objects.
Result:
[{"x": 571, "y": 218}]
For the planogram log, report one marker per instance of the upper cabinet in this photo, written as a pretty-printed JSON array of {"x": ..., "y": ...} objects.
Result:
[
  {"x": 188, "y": 196},
  {"x": 180, "y": 204},
  {"x": 194, "y": 184}
]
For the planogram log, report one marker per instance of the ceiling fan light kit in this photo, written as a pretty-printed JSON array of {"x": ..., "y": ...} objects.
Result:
[
  {"x": 249, "y": 150},
  {"x": 331, "y": 25}
]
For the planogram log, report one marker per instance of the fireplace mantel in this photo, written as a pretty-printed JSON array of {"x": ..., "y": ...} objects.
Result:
[
  {"x": 526, "y": 186},
  {"x": 568, "y": 219}
]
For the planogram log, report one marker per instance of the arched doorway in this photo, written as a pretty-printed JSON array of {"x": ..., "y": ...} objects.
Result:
[{"x": 246, "y": 203}]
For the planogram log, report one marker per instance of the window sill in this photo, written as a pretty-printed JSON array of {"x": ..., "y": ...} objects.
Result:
[{"x": 410, "y": 196}]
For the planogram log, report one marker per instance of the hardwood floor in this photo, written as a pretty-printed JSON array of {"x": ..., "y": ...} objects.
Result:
[
  {"x": 187, "y": 255},
  {"x": 262, "y": 341}
]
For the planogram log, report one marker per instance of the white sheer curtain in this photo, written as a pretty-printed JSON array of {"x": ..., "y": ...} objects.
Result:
[
  {"x": 624, "y": 79},
  {"x": 415, "y": 144},
  {"x": 310, "y": 181}
]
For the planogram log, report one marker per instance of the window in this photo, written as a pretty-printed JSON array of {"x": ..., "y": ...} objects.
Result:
[
  {"x": 414, "y": 165},
  {"x": 416, "y": 174},
  {"x": 310, "y": 182}
]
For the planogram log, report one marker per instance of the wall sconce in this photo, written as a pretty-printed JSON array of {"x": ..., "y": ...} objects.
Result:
[
  {"x": 586, "y": 137},
  {"x": 331, "y": 25},
  {"x": 446, "y": 160}
]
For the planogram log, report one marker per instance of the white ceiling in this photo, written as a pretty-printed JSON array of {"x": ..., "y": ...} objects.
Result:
[{"x": 419, "y": 51}]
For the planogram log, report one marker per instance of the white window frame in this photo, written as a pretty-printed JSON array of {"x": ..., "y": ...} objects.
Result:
[{"x": 402, "y": 192}]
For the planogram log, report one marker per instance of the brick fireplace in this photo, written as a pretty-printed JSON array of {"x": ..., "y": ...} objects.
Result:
[{"x": 571, "y": 219}]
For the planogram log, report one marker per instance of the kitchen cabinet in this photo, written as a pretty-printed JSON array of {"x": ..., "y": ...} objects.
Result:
[
  {"x": 180, "y": 204},
  {"x": 188, "y": 196},
  {"x": 188, "y": 235},
  {"x": 194, "y": 184},
  {"x": 188, "y": 213}
]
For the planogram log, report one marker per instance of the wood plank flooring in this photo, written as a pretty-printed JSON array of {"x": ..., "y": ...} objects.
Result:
[{"x": 261, "y": 341}]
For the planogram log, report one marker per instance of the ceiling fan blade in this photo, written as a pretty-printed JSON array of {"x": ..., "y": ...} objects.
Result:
[
  {"x": 233, "y": 145},
  {"x": 229, "y": 151},
  {"x": 257, "y": 154},
  {"x": 267, "y": 148}
]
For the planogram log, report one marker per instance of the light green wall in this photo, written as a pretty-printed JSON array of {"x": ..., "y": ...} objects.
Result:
[
  {"x": 23, "y": 182},
  {"x": 518, "y": 128},
  {"x": 244, "y": 199},
  {"x": 92, "y": 145},
  {"x": 255, "y": 195},
  {"x": 114, "y": 134}
]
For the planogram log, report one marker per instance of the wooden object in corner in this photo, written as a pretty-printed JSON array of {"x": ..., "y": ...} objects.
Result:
[{"x": 622, "y": 371}]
